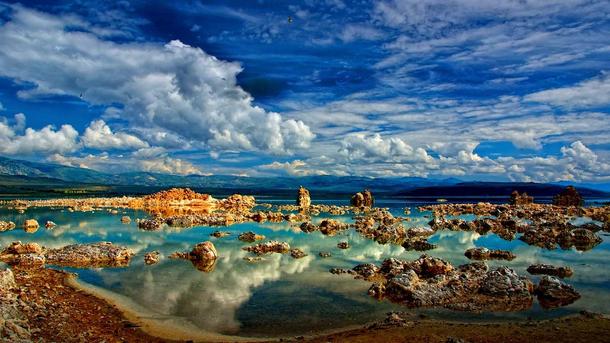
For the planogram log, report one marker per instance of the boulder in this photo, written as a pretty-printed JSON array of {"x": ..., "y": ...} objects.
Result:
[
  {"x": 125, "y": 220},
  {"x": 552, "y": 292},
  {"x": 308, "y": 227},
  {"x": 150, "y": 224},
  {"x": 49, "y": 224},
  {"x": 220, "y": 234}
]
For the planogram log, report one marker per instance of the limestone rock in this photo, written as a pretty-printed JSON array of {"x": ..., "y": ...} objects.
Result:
[
  {"x": 568, "y": 197},
  {"x": 269, "y": 247},
  {"x": 152, "y": 257}
]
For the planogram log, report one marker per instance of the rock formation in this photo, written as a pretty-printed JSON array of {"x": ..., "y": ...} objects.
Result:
[
  {"x": 297, "y": 253},
  {"x": 520, "y": 199},
  {"x": 363, "y": 199},
  {"x": 432, "y": 282},
  {"x": 303, "y": 199},
  {"x": 568, "y": 197}
]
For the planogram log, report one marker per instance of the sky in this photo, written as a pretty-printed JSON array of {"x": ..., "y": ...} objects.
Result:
[{"x": 469, "y": 89}]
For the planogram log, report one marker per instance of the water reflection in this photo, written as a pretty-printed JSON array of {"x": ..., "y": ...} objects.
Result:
[{"x": 281, "y": 294}]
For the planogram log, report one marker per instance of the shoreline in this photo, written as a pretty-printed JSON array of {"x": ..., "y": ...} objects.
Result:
[{"x": 121, "y": 317}]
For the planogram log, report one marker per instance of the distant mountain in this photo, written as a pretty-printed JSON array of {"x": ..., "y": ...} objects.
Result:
[
  {"x": 18, "y": 176},
  {"x": 504, "y": 189}
]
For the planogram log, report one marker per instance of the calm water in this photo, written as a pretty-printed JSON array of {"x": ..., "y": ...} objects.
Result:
[{"x": 281, "y": 295}]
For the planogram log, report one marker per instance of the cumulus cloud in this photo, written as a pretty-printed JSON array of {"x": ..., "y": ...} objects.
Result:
[
  {"x": 173, "y": 88},
  {"x": 589, "y": 93},
  {"x": 47, "y": 140},
  {"x": 375, "y": 147},
  {"x": 99, "y": 136},
  {"x": 155, "y": 160},
  {"x": 293, "y": 168}
]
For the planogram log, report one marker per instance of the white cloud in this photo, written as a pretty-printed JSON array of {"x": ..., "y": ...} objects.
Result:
[
  {"x": 589, "y": 93},
  {"x": 175, "y": 88},
  {"x": 99, "y": 136},
  {"x": 293, "y": 168},
  {"x": 47, "y": 140}
]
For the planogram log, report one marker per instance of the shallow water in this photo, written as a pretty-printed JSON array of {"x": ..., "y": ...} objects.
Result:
[{"x": 281, "y": 295}]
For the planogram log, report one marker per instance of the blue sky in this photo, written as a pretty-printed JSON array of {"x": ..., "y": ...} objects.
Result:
[{"x": 473, "y": 89}]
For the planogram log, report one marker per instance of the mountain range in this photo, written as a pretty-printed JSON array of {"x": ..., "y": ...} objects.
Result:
[{"x": 20, "y": 176}]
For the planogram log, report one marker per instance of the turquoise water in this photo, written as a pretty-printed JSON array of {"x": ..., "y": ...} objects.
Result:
[{"x": 281, "y": 295}]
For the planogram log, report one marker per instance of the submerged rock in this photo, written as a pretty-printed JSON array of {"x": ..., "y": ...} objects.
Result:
[
  {"x": 7, "y": 226},
  {"x": 343, "y": 245},
  {"x": 89, "y": 255},
  {"x": 297, "y": 253},
  {"x": 49, "y": 224},
  {"x": 125, "y": 220},
  {"x": 251, "y": 259},
  {"x": 220, "y": 234},
  {"x": 152, "y": 257},
  {"x": 269, "y": 247},
  {"x": 324, "y": 254},
  {"x": 418, "y": 245},
  {"x": 486, "y": 254},
  {"x": 250, "y": 237},
  {"x": 150, "y": 224},
  {"x": 547, "y": 269},
  {"x": 552, "y": 292}
]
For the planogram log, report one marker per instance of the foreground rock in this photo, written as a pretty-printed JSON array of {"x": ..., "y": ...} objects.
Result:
[
  {"x": 303, "y": 199},
  {"x": 203, "y": 256},
  {"x": 553, "y": 293},
  {"x": 432, "y": 282},
  {"x": 486, "y": 254},
  {"x": 104, "y": 254},
  {"x": 14, "y": 325},
  {"x": 269, "y": 247},
  {"x": 547, "y": 269}
]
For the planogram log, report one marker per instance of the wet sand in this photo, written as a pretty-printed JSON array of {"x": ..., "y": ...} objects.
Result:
[{"x": 71, "y": 311}]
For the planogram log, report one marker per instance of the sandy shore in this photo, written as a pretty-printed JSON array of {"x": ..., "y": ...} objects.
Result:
[{"x": 72, "y": 311}]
